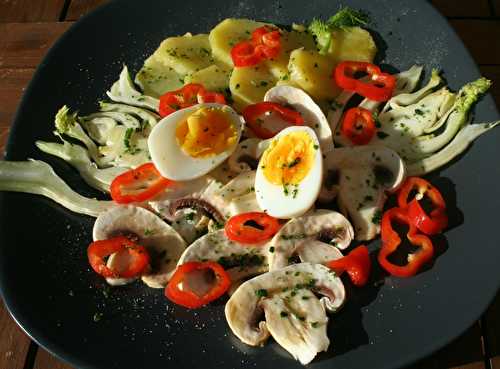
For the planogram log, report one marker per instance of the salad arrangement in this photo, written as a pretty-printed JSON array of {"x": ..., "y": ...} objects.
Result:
[{"x": 248, "y": 160}]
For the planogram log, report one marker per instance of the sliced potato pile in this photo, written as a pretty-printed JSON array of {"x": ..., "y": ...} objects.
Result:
[{"x": 206, "y": 59}]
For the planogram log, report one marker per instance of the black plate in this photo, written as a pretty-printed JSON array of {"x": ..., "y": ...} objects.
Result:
[{"x": 49, "y": 289}]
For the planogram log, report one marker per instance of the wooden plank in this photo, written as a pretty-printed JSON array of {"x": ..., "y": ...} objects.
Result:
[
  {"x": 466, "y": 352},
  {"x": 23, "y": 45},
  {"x": 78, "y": 8},
  {"x": 492, "y": 72},
  {"x": 31, "y": 11},
  {"x": 453, "y": 8},
  {"x": 481, "y": 38},
  {"x": 14, "y": 343},
  {"x": 12, "y": 85},
  {"x": 44, "y": 360}
]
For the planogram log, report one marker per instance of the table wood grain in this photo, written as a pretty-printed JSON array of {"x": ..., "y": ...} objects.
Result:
[{"x": 29, "y": 27}]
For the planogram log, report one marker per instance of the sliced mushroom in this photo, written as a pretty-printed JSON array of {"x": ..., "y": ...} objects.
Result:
[
  {"x": 238, "y": 259},
  {"x": 282, "y": 291},
  {"x": 364, "y": 175},
  {"x": 240, "y": 193},
  {"x": 310, "y": 111},
  {"x": 325, "y": 225},
  {"x": 163, "y": 243},
  {"x": 317, "y": 252},
  {"x": 247, "y": 154}
]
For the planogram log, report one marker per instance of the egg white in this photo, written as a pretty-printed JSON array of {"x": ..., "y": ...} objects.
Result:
[
  {"x": 272, "y": 199},
  {"x": 168, "y": 156}
]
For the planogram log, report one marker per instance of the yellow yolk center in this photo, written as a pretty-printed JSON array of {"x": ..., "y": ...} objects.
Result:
[
  {"x": 289, "y": 158},
  {"x": 206, "y": 132}
]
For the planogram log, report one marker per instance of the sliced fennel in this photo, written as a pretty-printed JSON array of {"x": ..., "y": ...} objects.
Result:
[
  {"x": 79, "y": 158},
  {"x": 124, "y": 91},
  {"x": 418, "y": 125},
  {"x": 37, "y": 177},
  {"x": 458, "y": 145},
  {"x": 145, "y": 115}
]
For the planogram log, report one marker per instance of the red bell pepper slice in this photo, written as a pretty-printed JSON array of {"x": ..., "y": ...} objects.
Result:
[
  {"x": 189, "y": 95},
  {"x": 391, "y": 241},
  {"x": 139, "y": 184},
  {"x": 431, "y": 223},
  {"x": 253, "y": 116},
  {"x": 236, "y": 227},
  {"x": 178, "y": 291},
  {"x": 380, "y": 87},
  {"x": 357, "y": 264},
  {"x": 99, "y": 250},
  {"x": 358, "y": 126},
  {"x": 264, "y": 44}
]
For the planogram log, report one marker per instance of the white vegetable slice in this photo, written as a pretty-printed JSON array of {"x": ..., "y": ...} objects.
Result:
[
  {"x": 300, "y": 101},
  {"x": 244, "y": 308},
  {"x": 362, "y": 175},
  {"x": 162, "y": 241},
  {"x": 124, "y": 91},
  {"x": 317, "y": 252},
  {"x": 247, "y": 154},
  {"x": 37, "y": 177},
  {"x": 300, "y": 231}
]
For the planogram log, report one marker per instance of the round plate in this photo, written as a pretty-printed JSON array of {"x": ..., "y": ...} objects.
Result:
[{"x": 47, "y": 284}]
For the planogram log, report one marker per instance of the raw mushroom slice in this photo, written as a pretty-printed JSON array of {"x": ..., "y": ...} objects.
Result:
[
  {"x": 240, "y": 193},
  {"x": 162, "y": 241},
  {"x": 299, "y": 325},
  {"x": 298, "y": 232},
  {"x": 317, "y": 252},
  {"x": 240, "y": 260},
  {"x": 298, "y": 335},
  {"x": 310, "y": 111},
  {"x": 363, "y": 175},
  {"x": 247, "y": 154}
]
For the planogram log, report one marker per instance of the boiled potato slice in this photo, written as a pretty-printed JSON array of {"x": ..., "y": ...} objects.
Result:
[
  {"x": 249, "y": 84},
  {"x": 185, "y": 54},
  {"x": 227, "y": 34},
  {"x": 352, "y": 43},
  {"x": 289, "y": 41},
  {"x": 312, "y": 72},
  {"x": 213, "y": 78},
  {"x": 155, "y": 78}
]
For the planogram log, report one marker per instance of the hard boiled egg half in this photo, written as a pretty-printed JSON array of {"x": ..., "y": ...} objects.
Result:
[
  {"x": 191, "y": 142},
  {"x": 288, "y": 178}
]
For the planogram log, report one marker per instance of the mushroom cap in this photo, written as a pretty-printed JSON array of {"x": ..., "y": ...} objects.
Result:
[
  {"x": 363, "y": 176},
  {"x": 247, "y": 154},
  {"x": 244, "y": 308},
  {"x": 162, "y": 241},
  {"x": 305, "y": 105},
  {"x": 300, "y": 231}
]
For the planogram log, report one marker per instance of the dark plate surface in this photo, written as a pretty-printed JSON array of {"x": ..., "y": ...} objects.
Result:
[{"x": 44, "y": 276}]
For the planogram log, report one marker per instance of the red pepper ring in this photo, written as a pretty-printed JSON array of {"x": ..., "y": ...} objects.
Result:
[
  {"x": 431, "y": 223},
  {"x": 253, "y": 114},
  {"x": 358, "y": 126},
  {"x": 357, "y": 264},
  {"x": 380, "y": 87},
  {"x": 391, "y": 241},
  {"x": 99, "y": 250},
  {"x": 178, "y": 292},
  {"x": 237, "y": 230},
  {"x": 265, "y": 43},
  {"x": 189, "y": 95},
  {"x": 139, "y": 184}
]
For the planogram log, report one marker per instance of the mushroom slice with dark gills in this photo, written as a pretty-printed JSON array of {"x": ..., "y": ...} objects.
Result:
[
  {"x": 247, "y": 154},
  {"x": 294, "y": 315},
  {"x": 301, "y": 102},
  {"x": 362, "y": 175},
  {"x": 323, "y": 225},
  {"x": 163, "y": 243},
  {"x": 239, "y": 260}
]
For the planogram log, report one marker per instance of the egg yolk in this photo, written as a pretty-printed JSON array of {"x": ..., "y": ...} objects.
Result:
[
  {"x": 206, "y": 132},
  {"x": 289, "y": 158}
]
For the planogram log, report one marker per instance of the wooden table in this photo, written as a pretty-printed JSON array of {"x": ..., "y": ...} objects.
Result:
[{"x": 29, "y": 28}]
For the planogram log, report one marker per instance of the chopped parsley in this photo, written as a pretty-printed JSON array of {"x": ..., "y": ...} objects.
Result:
[
  {"x": 97, "y": 316},
  {"x": 382, "y": 135},
  {"x": 315, "y": 324},
  {"x": 261, "y": 292},
  {"x": 271, "y": 249},
  {"x": 295, "y": 162},
  {"x": 298, "y": 236},
  {"x": 149, "y": 232},
  {"x": 283, "y": 314},
  {"x": 377, "y": 217}
]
